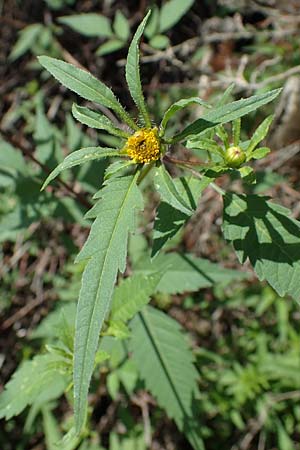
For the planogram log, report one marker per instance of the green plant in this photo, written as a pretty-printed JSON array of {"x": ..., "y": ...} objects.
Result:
[{"x": 259, "y": 230}]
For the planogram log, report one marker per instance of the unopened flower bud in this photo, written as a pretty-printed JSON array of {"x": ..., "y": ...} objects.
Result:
[{"x": 234, "y": 157}]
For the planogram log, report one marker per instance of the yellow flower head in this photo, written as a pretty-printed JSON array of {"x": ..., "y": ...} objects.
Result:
[{"x": 143, "y": 146}]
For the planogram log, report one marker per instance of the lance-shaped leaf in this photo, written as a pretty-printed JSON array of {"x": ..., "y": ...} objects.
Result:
[
  {"x": 226, "y": 113},
  {"x": 177, "y": 106},
  {"x": 259, "y": 134},
  {"x": 85, "y": 85},
  {"x": 165, "y": 363},
  {"x": 264, "y": 233},
  {"x": 81, "y": 156},
  {"x": 168, "y": 191},
  {"x": 94, "y": 119},
  {"x": 132, "y": 73},
  {"x": 105, "y": 251}
]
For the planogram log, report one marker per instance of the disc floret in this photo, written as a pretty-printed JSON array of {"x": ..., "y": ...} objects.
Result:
[{"x": 144, "y": 145}]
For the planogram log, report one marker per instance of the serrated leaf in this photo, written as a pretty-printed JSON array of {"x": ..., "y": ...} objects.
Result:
[
  {"x": 85, "y": 85},
  {"x": 121, "y": 26},
  {"x": 262, "y": 232},
  {"x": 177, "y": 106},
  {"x": 226, "y": 113},
  {"x": 88, "y": 24},
  {"x": 168, "y": 191},
  {"x": 168, "y": 220},
  {"x": 81, "y": 156},
  {"x": 132, "y": 73},
  {"x": 97, "y": 120},
  {"x": 165, "y": 363},
  {"x": 105, "y": 250},
  {"x": 113, "y": 45},
  {"x": 118, "y": 329},
  {"x": 171, "y": 12},
  {"x": 259, "y": 134},
  {"x": 186, "y": 273},
  {"x": 30, "y": 380},
  {"x": 132, "y": 295}
]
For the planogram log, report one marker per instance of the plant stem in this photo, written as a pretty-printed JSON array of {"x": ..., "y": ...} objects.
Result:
[{"x": 144, "y": 172}]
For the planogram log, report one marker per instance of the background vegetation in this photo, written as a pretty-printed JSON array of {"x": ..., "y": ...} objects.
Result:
[{"x": 245, "y": 338}]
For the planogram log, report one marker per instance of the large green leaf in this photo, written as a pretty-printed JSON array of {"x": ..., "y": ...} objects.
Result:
[
  {"x": 88, "y": 24},
  {"x": 171, "y": 12},
  {"x": 81, "y": 156},
  {"x": 168, "y": 191},
  {"x": 165, "y": 363},
  {"x": 186, "y": 273},
  {"x": 226, "y": 113},
  {"x": 132, "y": 73},
  {"x": 169, "y": 220},
  {"x": 85, "y": 85},
  {"x": 97, "y": 120},
  {"x": 177, "y": 106},
  {"x": 105, "y": 252},
  {"x": 264, "y": 233}
]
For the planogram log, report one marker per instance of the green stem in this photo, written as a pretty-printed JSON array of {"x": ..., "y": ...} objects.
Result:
[{"x": 144, "y": 172}]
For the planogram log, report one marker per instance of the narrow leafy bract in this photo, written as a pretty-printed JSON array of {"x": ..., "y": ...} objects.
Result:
[
  {"x": 105, "y": 250},
  {"x": 85, "y": 85},
  {"x": 132, "y": 73},
  {"x": 165, "y": 363},
  {"x": 168, "y": 191},
  {"x": 259, "y": 134},
  {"x": 177, "y": 106},
  {"x": 226, "y": 113},
  {"x": 80, "y": 157},
  {"x": 262, "y": 232},
  {"x": 97, "y": 120}
]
